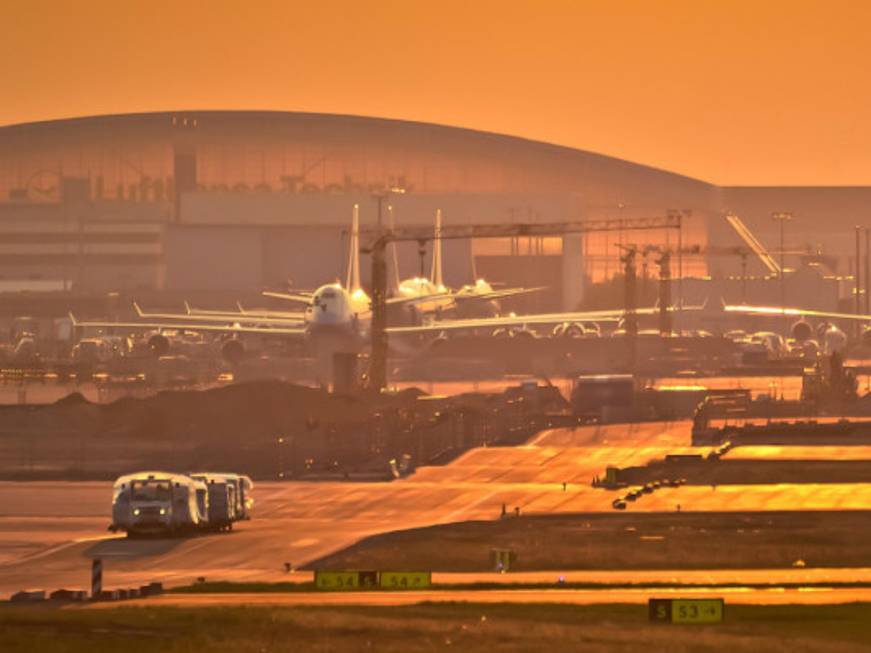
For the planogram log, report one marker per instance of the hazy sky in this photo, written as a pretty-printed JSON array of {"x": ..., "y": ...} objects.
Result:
[{"x": 733, "y": 92}]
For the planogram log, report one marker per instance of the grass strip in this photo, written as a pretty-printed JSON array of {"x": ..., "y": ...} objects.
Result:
[{"x": 228, "y": 587}]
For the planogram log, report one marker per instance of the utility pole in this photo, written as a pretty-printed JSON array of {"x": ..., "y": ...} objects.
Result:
[
  {"x": 867, "y": 270},
  {"x": 664, "y": 263},
  {"x": 782, "y": 217},
  {"x": 679, "y": 215},
  {"x": 630, "y": 317},
  {"x": 378, "y": 356},
  {"x": 857, "y": 277}
]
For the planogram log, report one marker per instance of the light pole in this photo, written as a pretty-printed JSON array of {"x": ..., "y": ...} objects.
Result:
[
  {"x": 378, "y": 304},
  {"x": 857, "y": 276},
  {"x": 782, "y": 217},
  {"x": 380, "y": 196},
  {"x": 867, "y": 270}
]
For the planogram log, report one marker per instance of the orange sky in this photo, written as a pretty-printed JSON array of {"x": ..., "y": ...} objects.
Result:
[{"x": 734, "y": 92}]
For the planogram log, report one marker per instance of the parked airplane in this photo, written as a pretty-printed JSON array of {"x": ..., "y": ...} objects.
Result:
[
  {"x": 431, "y": 295},
  {"x": 830, "y": 336},
  {"x": 423, "y": 296},
  {"x": 337, "y": 317}
]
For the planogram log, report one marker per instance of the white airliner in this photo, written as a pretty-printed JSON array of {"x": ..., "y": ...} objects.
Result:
[
  {"x": 432, "y": 296},
  {"x": 338, "y": 317},
  {"x": 425, "y": 296}
]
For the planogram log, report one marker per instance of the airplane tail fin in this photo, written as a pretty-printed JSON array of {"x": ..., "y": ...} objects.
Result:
[
  {"x": 393, "y": 259},
  {"x": 436, "y": 274},
  {"x": 138, "y": 309},
  {"x": 472, "y": 264},
  {"x": 187, "y": 307},
  {"x": 353, "y": 279}
]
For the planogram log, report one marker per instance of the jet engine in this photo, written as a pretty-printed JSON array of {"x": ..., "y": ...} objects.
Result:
[
  {"x": 523, "y": 333},
  {"x": 802, "y": 331},
  {"x": 233, "y": 351},
  {"x": 569, "y": 330},
  {"x": 158, "y": 345},
  {"x": 810, "y": 349},
  {"x": 592, "y": 329},
  {"x": 835, "y": 340}
]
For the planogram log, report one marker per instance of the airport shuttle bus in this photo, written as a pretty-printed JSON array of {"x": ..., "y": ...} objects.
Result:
[{"x": 168, "y": 503}]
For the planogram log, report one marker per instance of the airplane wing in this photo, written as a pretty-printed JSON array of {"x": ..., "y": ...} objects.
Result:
[
  {"x": 421, "y": 299},
  {"x": 507, "y": 321},
  {"x": 192, "y": 328},
  {"x": 529, "y": 320},
  {"x": 496, "y": 294},
  {"x": 215, "y": 316},
  {"x": 777, "y": 311},
  {"x": 302, "y": 297},
  {"x": 296, "y": 315}
]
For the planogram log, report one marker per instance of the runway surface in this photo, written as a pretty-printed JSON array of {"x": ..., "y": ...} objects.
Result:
[
  {"x": 743, "y": 596},
  {"x": 50, "y": 530}
]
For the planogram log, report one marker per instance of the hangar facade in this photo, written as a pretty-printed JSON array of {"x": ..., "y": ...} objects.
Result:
[{"x": 201, "y": 201}]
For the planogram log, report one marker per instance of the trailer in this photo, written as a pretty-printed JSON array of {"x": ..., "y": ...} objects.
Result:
[{"x": 229, "y": 498}]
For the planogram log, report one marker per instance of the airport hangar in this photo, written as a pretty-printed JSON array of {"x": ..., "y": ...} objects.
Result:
[{"x": 214, "y": 205}]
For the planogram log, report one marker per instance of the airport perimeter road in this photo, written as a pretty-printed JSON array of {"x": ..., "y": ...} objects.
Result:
[
  {"x": 742, "y": 596},
  {"x": 50, "y": 530}
]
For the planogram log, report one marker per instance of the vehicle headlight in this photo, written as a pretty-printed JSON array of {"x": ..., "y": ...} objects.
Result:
[
  {"x": 163, "y": 511},
  {"x": 136, "y": 511}
]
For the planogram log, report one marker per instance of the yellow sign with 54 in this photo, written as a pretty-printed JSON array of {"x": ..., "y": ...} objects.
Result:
[{"x": 405, "y": 580}]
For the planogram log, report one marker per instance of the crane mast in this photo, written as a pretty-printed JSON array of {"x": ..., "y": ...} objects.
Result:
[{"x": 379, "y": 239}]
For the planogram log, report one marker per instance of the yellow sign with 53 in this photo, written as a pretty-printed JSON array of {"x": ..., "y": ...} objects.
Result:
[{"x": 697, "y": 611}]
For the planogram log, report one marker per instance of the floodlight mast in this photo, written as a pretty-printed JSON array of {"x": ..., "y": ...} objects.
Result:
[{"x": 379, "y": 239}]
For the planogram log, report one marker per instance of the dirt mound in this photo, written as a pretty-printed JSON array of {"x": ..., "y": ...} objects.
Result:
[
  {"x": 72, "y": 399},
  {"x": 264, "y": 428}
]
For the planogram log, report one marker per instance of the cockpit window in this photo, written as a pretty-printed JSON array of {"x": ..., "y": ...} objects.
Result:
[{"x": 328, "y": 294}]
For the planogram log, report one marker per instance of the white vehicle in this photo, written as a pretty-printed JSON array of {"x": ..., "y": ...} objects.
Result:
[
  {"x": 155, "y": 502},
  {"x": 229, "y": 498}
]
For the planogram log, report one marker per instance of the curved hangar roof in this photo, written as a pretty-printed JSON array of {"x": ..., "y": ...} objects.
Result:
[{"x": 136, "y": 156}]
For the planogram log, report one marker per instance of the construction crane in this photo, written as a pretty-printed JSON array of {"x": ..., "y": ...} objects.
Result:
[
  {"x": 379, "y": 239},
  {"x": 710, "y": 251}
]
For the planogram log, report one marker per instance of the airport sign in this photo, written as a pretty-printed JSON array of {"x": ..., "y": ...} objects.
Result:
[
  {"x": 337, "y": 580},
  {"x": 686, "y": 611},
  {"x": 405, "y": 580}
]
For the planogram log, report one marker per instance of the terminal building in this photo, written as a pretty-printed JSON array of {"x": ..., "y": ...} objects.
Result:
[{"x": 198, "y": 203}]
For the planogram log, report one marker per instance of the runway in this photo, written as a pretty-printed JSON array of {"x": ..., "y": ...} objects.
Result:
[
  {"x": 50, "y": 530},
  {"x": 739, "y": 596}
]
